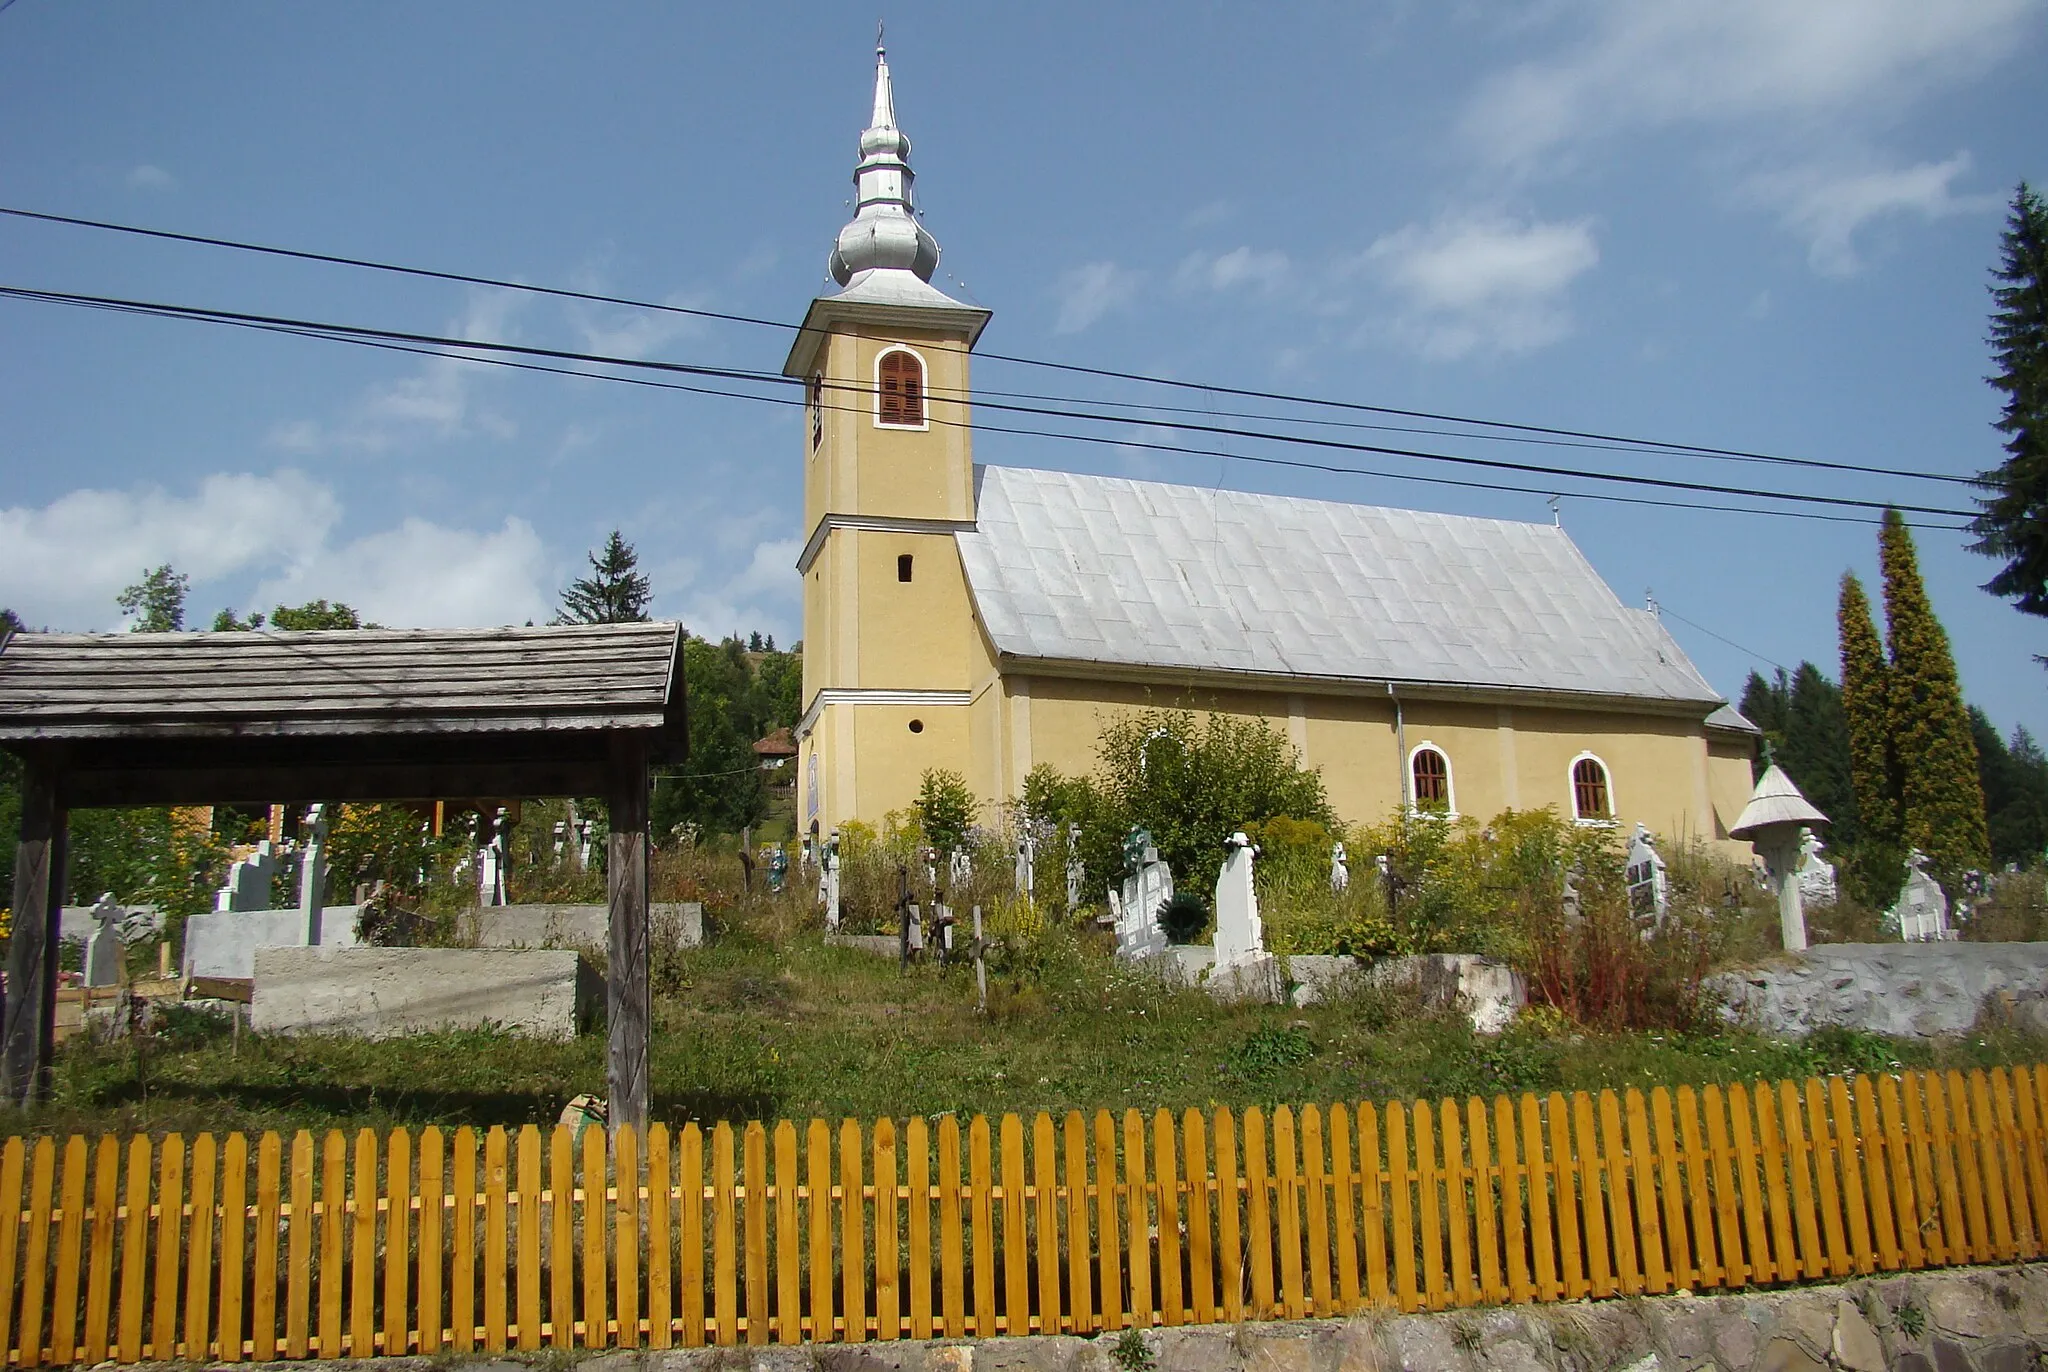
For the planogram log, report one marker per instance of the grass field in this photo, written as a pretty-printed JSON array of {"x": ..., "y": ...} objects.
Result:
[{"x": 759, "y": 1028}]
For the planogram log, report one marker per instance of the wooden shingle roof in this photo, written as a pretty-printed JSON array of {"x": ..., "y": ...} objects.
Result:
[{"x": 341, "y": 682}]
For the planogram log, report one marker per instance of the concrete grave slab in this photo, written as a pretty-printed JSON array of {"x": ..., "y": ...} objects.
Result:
[{"x": 388, "y": 992}]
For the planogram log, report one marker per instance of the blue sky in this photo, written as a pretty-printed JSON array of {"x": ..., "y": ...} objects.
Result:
[{"x": 1738, "y": 223}]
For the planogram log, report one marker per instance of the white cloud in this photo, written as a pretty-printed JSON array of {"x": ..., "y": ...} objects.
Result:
[
  {"x": 149, "y": 177},
  {"x": 437, "y": 401},
  {"x": 1828, "y": 208},
  {"x": 1241, "y": 266},
  {"x": 63, "y": 563},
  {"x": 1479, "y": 285},
  {"x": 761, "y": 594},
  {"x": 425, "y": 575},
  {"x": 635, "y": 333},
  {"x": 1632, "y": 65},
  {"x": 1088, "y": 292}
]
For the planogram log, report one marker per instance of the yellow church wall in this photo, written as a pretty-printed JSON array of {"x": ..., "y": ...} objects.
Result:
[
  {"x": 1729, "y": 779},
  {"x": 893, "y": 760},
  {"x": 863, "y": 467},
  {"x": 914, "y": 634}
]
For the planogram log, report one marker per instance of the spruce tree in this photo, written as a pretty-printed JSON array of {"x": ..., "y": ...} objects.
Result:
[
  {"x": 1816, "y": 751},
  {"x": 614, "y": 593},
  {"x": 1866, "y": 709},
  {"x": 1941, "y": 799},
  {"x": 2014, "y": 522}
]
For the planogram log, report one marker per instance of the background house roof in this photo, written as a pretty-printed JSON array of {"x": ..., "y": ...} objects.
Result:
[{"x": 1111, "y": 571}]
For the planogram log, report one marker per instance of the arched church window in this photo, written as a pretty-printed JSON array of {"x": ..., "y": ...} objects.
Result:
[
  {"x": 1592, "y": 798},
  {"x": 900, "y": 389},
  {"x": 1430, "y": 772},
  {"x": 815, "y": 394}
]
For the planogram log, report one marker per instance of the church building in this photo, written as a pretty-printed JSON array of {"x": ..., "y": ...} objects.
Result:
[{"x": 989, "y": 619}]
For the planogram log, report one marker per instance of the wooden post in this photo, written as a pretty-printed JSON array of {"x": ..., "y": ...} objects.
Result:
[
  {"x": 626, "y": 988},
  {"x": 31, "y": 1005}
]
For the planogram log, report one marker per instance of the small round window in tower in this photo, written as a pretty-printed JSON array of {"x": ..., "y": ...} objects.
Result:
[{"x": 916, "y": 726}]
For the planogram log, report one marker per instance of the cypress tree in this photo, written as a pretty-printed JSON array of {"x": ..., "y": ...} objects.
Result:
[
  {"x": 1866, "y": 708},
  {"x": 1941, "y": 796}
]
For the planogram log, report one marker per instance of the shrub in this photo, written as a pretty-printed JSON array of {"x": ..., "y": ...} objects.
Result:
[{"x": 1184, "y": 917}]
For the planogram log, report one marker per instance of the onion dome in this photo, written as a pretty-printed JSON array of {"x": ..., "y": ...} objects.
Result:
[{"x": 884, "y": 233}]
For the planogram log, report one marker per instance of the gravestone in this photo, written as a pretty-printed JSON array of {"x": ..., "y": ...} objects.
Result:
[
  {"x": 313, "y": 875},
  {"x": 1648, "y": 888},
  {"x": 1570, "y": 902},
  {"x": 561, "y": 839},
  {"x": 583, "y": 844},
  {"x": 248, "y": 883},
  {"x": 1240, "y": 934},
  {"x": 103, "y": 949},
  {"x": 1027, "y": 865},
  {"x": 1340, "y": 869},
  {"x": 959, "y": 870},
  {"x": 1816, "y": 876},
  {"x": 1147, "y": 886},
  {"x": 828, "y": 880},
  {"x": 491, "y": 862},
  {"x": 1922, "y": 907},
  {"x": 1076, "y": 872}
]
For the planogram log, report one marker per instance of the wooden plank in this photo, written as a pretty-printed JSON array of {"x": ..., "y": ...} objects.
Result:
[
  {"x": 1016, "y": 1245},
  {"x": 626, "y": 1235},
  {"x": 1731, "y": 1205},
  {"x": 596, "y": 1257},
  {"x": 1799, "y": 1164},
  {"x": 199, "y": 1254},
  {"x": 1870, "y": 1136},
  {"x": 661, "y": 1236},
  {"x": 561, "y": 1237},
  {"x": 1621, "y": 1219},
  {"x": 71, "y": 1246},
  {"x": 1681, "y": 1271},
  {"x": 362, "y": 1294},
  {"x": 1406, "y": 1294},
  {"x": 1521, "y": 1143},
  {"x": 1587, "y": 1163},
  {"x": 1953, "y": 1229},
  {"x": 1487, "y": 1202},
  {"x": 12, "y": 1156},
  {"x": 1786, "y": 1264},
  {"x": 952, "y": 1244},
  {"x": 1166, "y": 1197},
  {"x": 1316, "y": 1191},
  {"x": 1201, "y": 1244},
  {"x": 1703, "y": 1265},
  {"x": 1045, "y": 1222},
  {"x": 526, "y": 1191},
  {"x": 1967, "y": 1132},
  {"x": 170, "y": 1228},
  {"x": 888, "y": 1303},
  {"x": 725, "y": 1296},
  {"x": 1572, "y": 1266},
  {"x": 1230, "y": 1277},
  {"x": 432, "y": 1229},
  {"x": 853, "y": 1296},
  {"x": 38, "y": 900},
  {"x": 1907, "y": 1212},
  {"x": 1344, "y": 1198},
  {"x": 1648, "y": 1229},
  {"x": 1258, "y": 1219},
  {"x": 462, "y": 1248},
  {"x": 1137, "y": 1222},
  {"x": 789, "y": 1301},
  {"x": 1827, "y": 1191},
  {"x": 1429, "y": 1213},
  {"x": 1761, "y": 1214},
  {"x": 690, "y": 1229},
  {"x": 35, "y": 1273},
  {"x": 1996, "y": 1194},
  {"x": 1080, "y": 1294},
  {"x": 298, "y": 1252},
  {"x": 134, "y": 1246},
  {"x": 627, "y": 995},
  {"x": 1108, "y": 1245},
  {"x": 2033, "y": 1153},
  {"x": 1457, "y": 1179},
  {"x": 234, "y": 1237},
  {"x": 818, "y": 1158},
  {"x": 240, "y": 990},
  {"x": 1849, "y": 1160}
]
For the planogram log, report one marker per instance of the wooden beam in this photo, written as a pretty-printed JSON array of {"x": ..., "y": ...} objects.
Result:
[
  {"x": 627, "y": 995},
  {"x": 30, "y": 1024}
]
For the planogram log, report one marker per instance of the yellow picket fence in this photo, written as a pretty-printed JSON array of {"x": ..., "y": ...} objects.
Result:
[{"x": 524, "y": 1239}]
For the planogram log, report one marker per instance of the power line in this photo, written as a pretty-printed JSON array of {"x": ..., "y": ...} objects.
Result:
[
  {"x": 389, "y": 340},
  {"x": 465, "y": 278},
  {"x": 200, "y": 313},
  {"x": 1662, "y": 608}
]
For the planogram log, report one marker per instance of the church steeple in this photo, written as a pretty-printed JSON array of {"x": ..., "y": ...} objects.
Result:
[{"x": 884, "y": 233}]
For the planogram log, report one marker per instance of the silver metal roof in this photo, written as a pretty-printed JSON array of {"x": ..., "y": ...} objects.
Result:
[
  {"x": 1111, "y": 571},
  {"x": 884, "y": 233}
]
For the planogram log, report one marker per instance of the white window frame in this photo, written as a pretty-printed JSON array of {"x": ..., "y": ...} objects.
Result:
[
  {"x": 1450, "y": 810},
  {"x": 1571, "y": 784},
  {"x": 924, "y": 370}
]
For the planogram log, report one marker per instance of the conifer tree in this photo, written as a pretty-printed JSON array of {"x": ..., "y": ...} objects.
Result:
[
  {"x": 2014, "y": 522},
  {"x": 1941, "y": 798},
  {"x": 1866, "y": 707},
  {"x": 614, "y": 593}
]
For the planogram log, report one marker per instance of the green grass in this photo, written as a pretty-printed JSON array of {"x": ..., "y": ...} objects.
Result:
[{"x": 751, "y": 1029}]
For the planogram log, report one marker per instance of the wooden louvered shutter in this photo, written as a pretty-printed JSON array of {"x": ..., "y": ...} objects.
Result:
[{"x": 902, "y": 390}]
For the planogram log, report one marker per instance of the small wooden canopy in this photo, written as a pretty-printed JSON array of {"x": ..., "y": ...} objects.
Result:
[{"x": 354, "y": 714}]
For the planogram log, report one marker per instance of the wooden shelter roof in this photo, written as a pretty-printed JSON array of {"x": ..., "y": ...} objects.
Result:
[{"x": 341, "y": 714}]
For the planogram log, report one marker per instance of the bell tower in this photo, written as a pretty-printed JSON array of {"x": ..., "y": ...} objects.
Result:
[{"x": 890, "y": 645}]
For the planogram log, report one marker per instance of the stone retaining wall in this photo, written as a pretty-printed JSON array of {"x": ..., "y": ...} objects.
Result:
[{"x": 1908, "y": 990}]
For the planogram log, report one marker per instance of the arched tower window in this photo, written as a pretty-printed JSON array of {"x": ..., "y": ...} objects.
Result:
[
  {"x": 1592, "y": 797},
  {"x": 899, "y": 389},
  {"x": 1429, "y": 772},
  {"x": 815, "y": 394}
]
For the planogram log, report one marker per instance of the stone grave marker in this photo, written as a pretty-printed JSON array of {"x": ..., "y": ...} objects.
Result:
[
  {"x": 1027, "y": 865},
  {"x": 1648, "y": 887},
  {"x": 1817, "y": 884},
  {"x": 1076, "y": 872},
  {"x": 1240, "y": 934},
  {"x": 1922, "y": 907},
  {"x": 1147, "y": 886},
  {"x": 1340, "y": 869},
  {"x": 248, "y": 883},
  {"x": 103, "y": 949}
]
